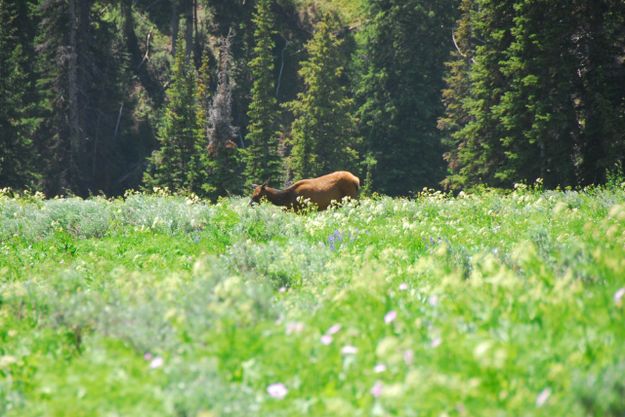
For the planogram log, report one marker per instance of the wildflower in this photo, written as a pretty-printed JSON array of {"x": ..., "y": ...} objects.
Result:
[
  {"x": 376, "y": 390},
  {"x": 277, "y": 390},
  {"x": 335, "y": 237},
  {"x": 436, "y": 342},
  {"x": 542, "y": 398},
  {"x": 379, "y": 368},
  {"x": 433, "y": 300},
  {"x": 618, "y": 296},
  {"x": 7, "y": 360},
  {"x": 294, "y": 327},
  {"x": 147, "y": 356},
  {"x": 334, "y": 329},
  {"x": 349, "y": 350},
  {"x": 408, "y": 356},
  {"x": 403, "y": 286},
  {"x": 282, "y": 289},
  {"x": 326, "y": 339},
  {"x": 157, "y": 362},
  {"x": 390, "y": 317}
]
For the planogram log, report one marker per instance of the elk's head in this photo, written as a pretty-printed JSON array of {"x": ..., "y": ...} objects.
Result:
[{"x": 259, "y": 192}]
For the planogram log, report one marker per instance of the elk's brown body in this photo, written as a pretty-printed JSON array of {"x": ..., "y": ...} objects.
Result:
[{"x": 320, "y": 191}]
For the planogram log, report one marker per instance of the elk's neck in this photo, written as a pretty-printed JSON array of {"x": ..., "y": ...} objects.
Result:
[{"x": 279, "y": 197}]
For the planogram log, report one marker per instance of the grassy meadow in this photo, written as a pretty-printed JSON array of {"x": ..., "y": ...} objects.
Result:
[{"x": 484, "y": 304}]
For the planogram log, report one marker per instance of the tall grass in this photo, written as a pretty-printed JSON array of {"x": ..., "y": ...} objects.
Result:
[{"x": 486, "y": 304}]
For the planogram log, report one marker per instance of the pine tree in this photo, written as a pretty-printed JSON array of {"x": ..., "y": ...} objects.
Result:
[
  {"x": 201, "y": 164},
  {"x": 84, "y": 87},
  {"x": 457, "y": 88},
  {"x": 322, "y": 134},
  {"x": 17, "y": 151},
  {"x": 170, "y": 165},
  {"x": 262, "y": 161},
  {"x": 536, "y": 111},
  {"x": 480, "y": 156},
  {"x": 406, "y": 46},
  {"x": 599, "y": 42},
  {"x": 539, "y": 97},
  {"x": 62, "y": 39}
]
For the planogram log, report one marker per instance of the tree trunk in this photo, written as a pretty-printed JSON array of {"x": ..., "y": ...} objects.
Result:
[
  {"x": 74, "y": 118},
  {"x": 138, "y": 59},
  {"x": 175, "y": 25},
  {"x": 188, "y": 29}
]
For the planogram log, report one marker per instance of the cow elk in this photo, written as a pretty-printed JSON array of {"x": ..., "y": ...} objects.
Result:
[{"x": 319, "y": 192}]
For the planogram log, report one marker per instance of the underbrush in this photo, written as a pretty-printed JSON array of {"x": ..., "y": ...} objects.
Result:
[{"x": 485, "y": 304}]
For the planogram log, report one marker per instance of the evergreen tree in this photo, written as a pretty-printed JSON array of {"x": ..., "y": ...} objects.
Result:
[
  {"x": 201, "y": 164},
  {"x": 225, "y": 166},
  {"x": 17, "y": 124},
  {"x": 84, "y": 88},
  {"x": 599, "y": 42},
  {"x": 170, "y": 165},
  {"x": 407, "y": 44},
  {"x": 322, "y": 133},
  {"x": 457, "y": 81},
  {"x": 536, "y": 112},
  {"x": 262, "y": 161},
  {"x": 540, "y": 96},
  {"x": 477, "y": 130},
  {"x": 52, "y": 45}
]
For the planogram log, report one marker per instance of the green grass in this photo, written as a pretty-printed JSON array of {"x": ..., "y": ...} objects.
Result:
[
  {"x": 351, "y": 11},
  {"x": 505, "y": 304}
]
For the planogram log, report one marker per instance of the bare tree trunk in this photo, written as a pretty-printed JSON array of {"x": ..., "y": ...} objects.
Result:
[
  {"x": 197, "y": 50},
  {"x": 74, "y": 118},
  {"x": 188, "y": 35},
  {"x": 139, "y": 59},
  {"x": 175, "y": 25}
]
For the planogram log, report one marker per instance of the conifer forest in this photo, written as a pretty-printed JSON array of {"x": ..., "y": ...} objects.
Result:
[{"x": 210, "y": 96}]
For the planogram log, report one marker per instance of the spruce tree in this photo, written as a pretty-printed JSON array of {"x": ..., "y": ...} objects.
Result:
[
  {"x": 407, "y": 43},
  {"x": 63, "y": 38},
  {"x": 541, "y": 95},
  {"x": 17, "y": 151},
  {"x": 84, "y": 88},
  {"x": 457, "y": 88},
  {"x": 170, "y": 165},
  {"x": 322, "y": 134},
  {"x": 51, "y": 41},
  {"x": 536, "y": 111},
  {"x": 201, "y": 164},
  {"x": 262, "y": 161},
  {"x": 599, "y": 42},
  {"x": 480, "y": 156}
]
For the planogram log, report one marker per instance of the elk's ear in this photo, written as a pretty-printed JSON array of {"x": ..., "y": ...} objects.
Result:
[
  {"x": 266, "y": 183},
  {"x": 254, "y": 186}
]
